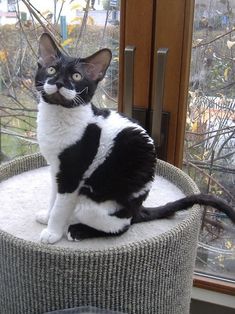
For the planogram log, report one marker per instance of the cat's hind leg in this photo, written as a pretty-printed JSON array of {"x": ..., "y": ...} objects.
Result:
[
  {"x": 80, "y": 231},
  {"x": 97, "y": 220}
]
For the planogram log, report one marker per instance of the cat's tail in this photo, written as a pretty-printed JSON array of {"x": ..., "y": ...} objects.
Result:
[{"x": 152, "y": 213}]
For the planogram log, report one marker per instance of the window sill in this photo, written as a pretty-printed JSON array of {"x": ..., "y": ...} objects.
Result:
[{"x": 212, "y": 297}]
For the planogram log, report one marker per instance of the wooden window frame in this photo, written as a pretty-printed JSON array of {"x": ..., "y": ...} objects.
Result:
[{"x": 185, "y": 10}]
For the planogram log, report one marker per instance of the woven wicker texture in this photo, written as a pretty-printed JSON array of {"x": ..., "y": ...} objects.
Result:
[{"x": 151, "y": 276}]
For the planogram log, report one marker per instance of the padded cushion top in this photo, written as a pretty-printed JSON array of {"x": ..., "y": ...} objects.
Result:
[{"x": 21, "y": 196}]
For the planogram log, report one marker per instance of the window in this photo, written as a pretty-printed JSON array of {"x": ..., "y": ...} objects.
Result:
[{"x": 209, "y": 151}]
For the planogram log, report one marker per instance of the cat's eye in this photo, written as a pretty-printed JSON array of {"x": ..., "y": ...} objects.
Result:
[
  {"x": 51, "y": 70},
  {"x": 76, "y": 77}
]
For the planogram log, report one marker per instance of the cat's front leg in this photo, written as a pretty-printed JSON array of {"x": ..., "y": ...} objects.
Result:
[
  {"x": 59, "y": 215},
  {"x": 43, "y": 215}
]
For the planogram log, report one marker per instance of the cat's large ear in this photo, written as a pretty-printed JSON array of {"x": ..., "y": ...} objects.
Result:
[
  {"x": 96, "y": 65},
  {"x": 48, "y": 50}
]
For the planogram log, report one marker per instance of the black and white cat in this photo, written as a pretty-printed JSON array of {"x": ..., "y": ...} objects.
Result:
[{"x": 102, "y": 164}]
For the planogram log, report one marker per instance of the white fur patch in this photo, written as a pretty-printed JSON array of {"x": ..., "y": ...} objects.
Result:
[
  {"x": 67, "y": 93},
  {"x": 50, "y": 89},
  {"x": 97, "y": 215},
  {"x": 141, "y": 192},
  {"x": 59, "y": 128}
]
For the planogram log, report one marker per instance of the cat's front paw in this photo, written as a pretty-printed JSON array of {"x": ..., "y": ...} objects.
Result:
[
  {"x": 49, "y": 237},
  {"x": 42, "y": 217}
]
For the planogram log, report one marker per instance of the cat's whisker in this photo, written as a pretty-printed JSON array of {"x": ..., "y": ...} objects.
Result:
[
  {"x": 83, "y": 90},
  {"x": 76, "y": 101},
  {"x": 79, "y": 100}
]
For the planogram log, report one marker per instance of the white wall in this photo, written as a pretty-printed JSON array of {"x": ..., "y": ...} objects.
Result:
[{"x": 44, "y": 6}]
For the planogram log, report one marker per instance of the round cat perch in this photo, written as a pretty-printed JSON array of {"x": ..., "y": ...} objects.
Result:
[{"x": 134, "y": 273}]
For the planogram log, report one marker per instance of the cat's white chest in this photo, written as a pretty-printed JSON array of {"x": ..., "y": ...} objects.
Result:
[{"x": 59, "y": 128}]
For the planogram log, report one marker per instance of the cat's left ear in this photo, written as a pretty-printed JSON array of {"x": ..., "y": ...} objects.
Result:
[{"x": 96, "y": 65}]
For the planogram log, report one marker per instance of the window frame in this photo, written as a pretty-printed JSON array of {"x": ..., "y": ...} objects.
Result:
[
  {"x": 164, "y": 39},
  {"x": 200, "y": 279}
]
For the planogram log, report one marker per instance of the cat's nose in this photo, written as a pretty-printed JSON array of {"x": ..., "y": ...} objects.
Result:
[{"x": 59, "y": 84}]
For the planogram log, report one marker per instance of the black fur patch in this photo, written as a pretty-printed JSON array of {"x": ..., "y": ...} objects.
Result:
[
  {"x": 75, "y": 160},
  {"x": 130, "y": 166},
  {"x": 81, "y": 231},
  {"x": 100, "y": 112}
]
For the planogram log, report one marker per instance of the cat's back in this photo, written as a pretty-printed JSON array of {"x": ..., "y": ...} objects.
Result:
[
  {"x": 112, "y": 123},
  {"x": 125, "y": 138}
]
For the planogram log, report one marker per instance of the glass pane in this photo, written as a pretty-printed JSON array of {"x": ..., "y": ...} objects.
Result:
[
  {"x": 81, "y": 27},
  {"x": 209, "y": 152}
]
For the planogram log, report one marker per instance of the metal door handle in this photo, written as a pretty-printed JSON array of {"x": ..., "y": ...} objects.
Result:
[
  {"x": 158, "y": 93},
  {"x": 128, "y": 80}
]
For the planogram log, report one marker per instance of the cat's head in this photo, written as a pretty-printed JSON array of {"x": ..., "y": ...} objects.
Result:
[{"x": 68, "y": 81}]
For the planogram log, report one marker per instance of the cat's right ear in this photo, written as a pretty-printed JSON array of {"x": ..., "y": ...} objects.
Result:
[{"x": 48, "y": 50}]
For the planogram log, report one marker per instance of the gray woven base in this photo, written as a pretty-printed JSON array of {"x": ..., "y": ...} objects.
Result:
[{"x": 152, "y": 276}]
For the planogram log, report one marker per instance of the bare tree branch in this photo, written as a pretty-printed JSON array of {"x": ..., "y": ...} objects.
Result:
[
  {"x": 214, "y": 39},
  {"x": 186, "y": 162}
]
